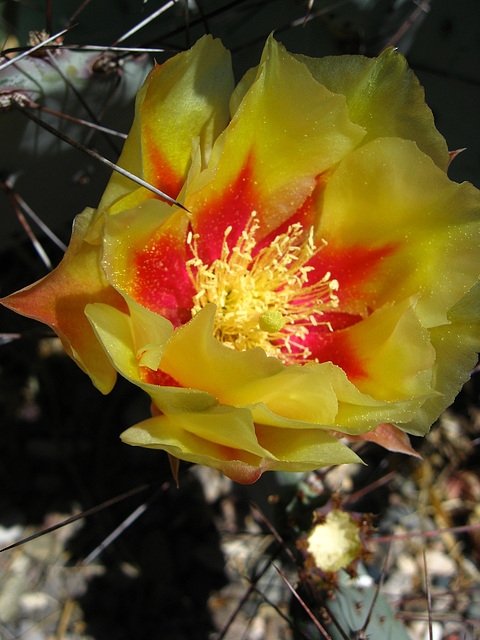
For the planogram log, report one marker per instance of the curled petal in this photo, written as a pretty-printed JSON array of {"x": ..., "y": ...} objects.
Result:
[
  {"x": 193, "y": 355},
  {"x": 226, "y": 438},
  {"x": 318, "y": 394},
  {"x": 304, "y": 450},
  {"x": 186, "y": 436}
]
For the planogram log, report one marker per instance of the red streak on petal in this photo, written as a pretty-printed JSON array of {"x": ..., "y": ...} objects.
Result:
[
  {"x": 160, "y": 281},
  {"x": 158, "y": 378},
  {"x": 355, "y": 269},
  {"x": 232, "y": 208},
  {"x": 332, "y": 346},
  {"x": 336, "y": 346},
  {"x": 158, "y": 171}
]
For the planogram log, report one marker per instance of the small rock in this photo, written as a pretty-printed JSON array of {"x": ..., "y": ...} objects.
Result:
[
  {"x": 35, "y": 601},
  {"x": 439, "y": 563}
]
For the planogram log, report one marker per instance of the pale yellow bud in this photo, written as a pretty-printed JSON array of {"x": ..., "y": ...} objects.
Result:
[{"x": 335, "y": 543}]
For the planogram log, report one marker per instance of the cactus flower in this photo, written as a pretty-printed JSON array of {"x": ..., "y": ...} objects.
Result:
[{"x": 320, "y": 279}]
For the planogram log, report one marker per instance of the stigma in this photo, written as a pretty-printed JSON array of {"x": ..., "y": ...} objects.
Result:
[{"x": 268, "y": 298}]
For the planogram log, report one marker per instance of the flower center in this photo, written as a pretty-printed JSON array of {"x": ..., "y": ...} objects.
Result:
[{"x": 263, "y": 299}]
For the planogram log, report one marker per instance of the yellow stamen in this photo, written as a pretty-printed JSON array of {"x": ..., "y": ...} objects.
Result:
[{"x": 263, "y": 300}]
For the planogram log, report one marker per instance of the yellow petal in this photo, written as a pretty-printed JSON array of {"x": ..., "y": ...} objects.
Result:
[
  {"x": 144, "y": 257},
  {"x": 187, "y": 436},
  {"x": 116, "y": 333},
  {"x": 303, "y": 450},
  {"x": 221, "y": 425},
  {"x": 322, "y": 395},
  {"x": 193, "y": 356},
  {"x": 384, "y": 96},
  {"x": 359, "y": 412},
  {"x": 226, "y": 439},
  {"x": 389, "y": 194},
  {"x": 456, "y": 345},
  {"x": 300, "y": 393},
  {"x": 287, "y": 148},
  {"x": 318, "y": 394},
  {"x": 394, "y": 352},
  {"x": 184, "y": 98}
]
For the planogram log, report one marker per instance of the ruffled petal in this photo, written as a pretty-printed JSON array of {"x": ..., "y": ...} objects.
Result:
[
  {"x": 183, "y": 436},
  {"x": 226, "y": 439},
  {"x": 329, "y": 399},
  {"x": 303, "y": 450},
  {"x": 318, "y": 394},
  {"x": 384, "y": 96},
  {"x": 388, "y": 355},
  {"x": 194, "y": 357}
]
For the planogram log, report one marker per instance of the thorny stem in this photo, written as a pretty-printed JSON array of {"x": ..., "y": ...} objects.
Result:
[
  {"x": 315, "y": 621},
  {"x": 32, "y": 50},
  {"x": 429, "y": 597},
  {"x": 85, "y": 123},
  {"x": 83, "y": 48},
  {"x": 252, "y": 587},
  {"x": 272, "y": 604},
  {"x": 28, "y": 230},
  {"x": 81, "y": 99},
  {"x": 15, "y": 199},
  {"x": 380, "y": 584},
  {"x": 146, "y": 21},
  {"x": 123, "y": 525},
  {"x": 76, "y": 13}
]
